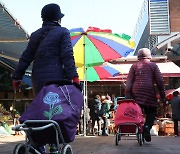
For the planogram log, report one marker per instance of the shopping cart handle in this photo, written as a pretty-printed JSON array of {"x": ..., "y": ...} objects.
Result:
[
  {"x": 18, "y": 127},
  {"x": 42, "y": 127},
  {"x": 21, "y": 127},
  {"x": 126, "y": 101}
]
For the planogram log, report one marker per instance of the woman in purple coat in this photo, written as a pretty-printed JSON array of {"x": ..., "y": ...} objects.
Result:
[
  {"x": 140, "y": 86},
  {"x": 50, "y": 50}
]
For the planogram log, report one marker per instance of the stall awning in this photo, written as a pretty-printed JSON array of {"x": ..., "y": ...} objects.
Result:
[
  {"x": 13, "y": 37},
  {"x": 13, "y": 40},
  {"x": 168, "y": 69}
]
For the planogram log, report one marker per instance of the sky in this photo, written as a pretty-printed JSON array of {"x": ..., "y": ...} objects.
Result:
[{"x": 118, "y": 15}]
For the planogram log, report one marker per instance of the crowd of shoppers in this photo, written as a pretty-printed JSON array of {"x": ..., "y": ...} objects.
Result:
[{"x": 100, "y": 113}]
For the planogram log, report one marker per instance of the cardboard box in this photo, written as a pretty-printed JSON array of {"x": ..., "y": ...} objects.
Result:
[{"x": 169, "y": 129}]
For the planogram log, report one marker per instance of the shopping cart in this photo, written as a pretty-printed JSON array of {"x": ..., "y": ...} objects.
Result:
[
  {"x": 51, "y": 118},
  {"x": 129, "y": 121}
]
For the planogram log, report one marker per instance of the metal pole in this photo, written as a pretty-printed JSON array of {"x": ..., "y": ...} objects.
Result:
[
  {"x": 85, "y": 102},
  {"x": 13, "y": 109},
  {"x": 84, "y": 110},
  {"x": 85, "y": 93},
  {"x": 14, "y": 101},
  {"x": 120, "y": 89}
]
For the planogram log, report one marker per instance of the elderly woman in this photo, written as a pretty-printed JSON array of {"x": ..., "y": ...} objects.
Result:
[
  {"x": 50, "y": 50},
  {"x": 140, "y": 86}
]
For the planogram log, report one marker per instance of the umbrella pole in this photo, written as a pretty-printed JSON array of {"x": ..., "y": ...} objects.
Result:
[
  {"x": 85, "y": 93},
  {"x": 84, "y": 120},
  {"x": 85, "y": 102},
  {"x": 14, "y": 101},
  {"x": 13, "y": 109}
]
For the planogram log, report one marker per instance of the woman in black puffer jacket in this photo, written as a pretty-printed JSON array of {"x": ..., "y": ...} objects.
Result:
[
  {"x": 140, "y": 86},
  {"x": 51, "y": 51}
]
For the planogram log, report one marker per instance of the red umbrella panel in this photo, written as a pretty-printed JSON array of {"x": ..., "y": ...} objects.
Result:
[{"x": 169, "y": 93}]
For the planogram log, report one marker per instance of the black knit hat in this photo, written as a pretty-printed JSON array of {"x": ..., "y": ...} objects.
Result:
[{"x": 51, "y": 12}]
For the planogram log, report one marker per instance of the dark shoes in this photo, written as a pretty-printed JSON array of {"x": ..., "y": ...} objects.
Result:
[
  {"x": 105, "y": 134},
  {"x": 146, "y": 133}
]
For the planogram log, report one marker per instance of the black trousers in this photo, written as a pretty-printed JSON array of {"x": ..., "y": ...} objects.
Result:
[
  {"x": 176, "y": 126},
  {"x": 98, "y": 123},
  {"x": 150, "y": 114}
]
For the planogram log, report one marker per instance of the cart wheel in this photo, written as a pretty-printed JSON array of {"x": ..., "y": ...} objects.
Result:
[
  {"x": 19, "y": 149},
  {"x": 67, "y": 149},
  {"x": 117, "y": 139},
  {"x": 141, "y": 140}
]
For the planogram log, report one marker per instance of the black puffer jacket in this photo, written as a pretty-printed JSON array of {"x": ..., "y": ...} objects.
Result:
[
  {"x": 175, "y": 105},
  {"x": 52, "y": 57}
]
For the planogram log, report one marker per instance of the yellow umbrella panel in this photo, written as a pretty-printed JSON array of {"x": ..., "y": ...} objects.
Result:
[{"x": 97, "y": 73}]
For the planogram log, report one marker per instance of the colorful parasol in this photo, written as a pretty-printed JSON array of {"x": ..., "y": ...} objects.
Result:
[
  {"x": 169, "y": 93},
  {"x": 95, "y": 46},
  {"x": 95, "y": 73}
]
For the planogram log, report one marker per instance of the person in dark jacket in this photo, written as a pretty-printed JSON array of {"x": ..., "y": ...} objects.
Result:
[
  {"x": 95, "y": 108},
  {"x": 175, "y": 105},
  {"x": 50, "y": 50},
  {"x": 140, "y": 86}
]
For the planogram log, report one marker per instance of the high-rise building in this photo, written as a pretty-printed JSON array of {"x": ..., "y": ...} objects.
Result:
[{"x": 158, "y": 28}]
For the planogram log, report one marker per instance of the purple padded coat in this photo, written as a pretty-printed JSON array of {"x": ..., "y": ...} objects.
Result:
[{"x": 140, "y": 83}]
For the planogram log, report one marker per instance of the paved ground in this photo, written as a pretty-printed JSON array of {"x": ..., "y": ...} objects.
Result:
[{"x": 106, "y": 145}]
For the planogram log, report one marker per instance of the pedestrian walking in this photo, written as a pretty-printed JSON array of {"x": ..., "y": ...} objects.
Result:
[
  {"x": 16, "y": 120},
  {"x": 95, "y": 107},
  {"x": 50, "y": 50},
  {"x": 175, "y": 105},
  {"x": 140, "y": 86}
]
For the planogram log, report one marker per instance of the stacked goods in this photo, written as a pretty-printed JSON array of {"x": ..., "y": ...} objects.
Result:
[
  {"x": 169, "y": 129},
  {"x": 4, "y": 117},
  {"x": 4, "y": 114}
]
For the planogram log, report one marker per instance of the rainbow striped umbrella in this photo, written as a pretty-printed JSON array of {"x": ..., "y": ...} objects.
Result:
[
  {"x": 95, "y": 73},
  {"x": 95, "y": 46}
]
